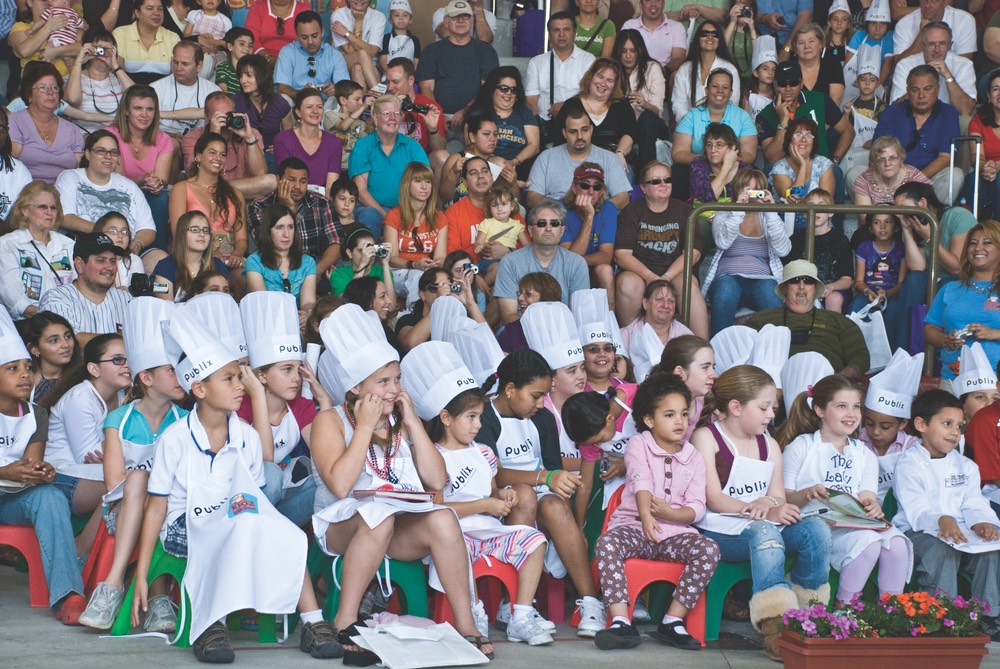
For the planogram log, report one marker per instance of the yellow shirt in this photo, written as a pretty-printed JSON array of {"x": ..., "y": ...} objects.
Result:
[
  {"x": 60, "y": 64},
  {"x": 154, "y": 61}
]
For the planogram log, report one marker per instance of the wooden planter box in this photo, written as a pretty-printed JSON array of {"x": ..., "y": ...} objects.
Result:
[{"x": 912, "y": 653}]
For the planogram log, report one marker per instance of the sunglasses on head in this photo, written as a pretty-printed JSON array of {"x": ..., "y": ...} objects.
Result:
[
  {"x": 586, "y": 185},
  {"x": 543, "y": 223},
  {"x": 658, "y": 181}
]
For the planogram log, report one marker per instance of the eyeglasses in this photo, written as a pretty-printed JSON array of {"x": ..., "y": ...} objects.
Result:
[
  {"x": 390, "y": 114},
  {"x": 52, "y": 88},
  {"x": 787, "y": 84},
  {"x": 286, "y": 284},
  {"x": 543, "y": 223},
  {"x": 658, "y": 181},
  {"x": 311, "y": 62},
  {"x": 45, "y": 207},
  {"x": 887, "y": 160},
  {"x": 201, "y": 231},
  {"x": 803, "y": 135},
  {"x": 594, "y": 349},
  {"x": 116, "y": 360},
  {"x": 713, "y": 34},
  {"x": 436, "y": 286},
  {"x": 114, "y": 232},
  {"x": 114, "y": 153},
  {"x": 504, "y": 88},
  {"x": 807, "y": 280},
  {"x": 586, "y": 185},
  {"x": 281, "y": 26}
]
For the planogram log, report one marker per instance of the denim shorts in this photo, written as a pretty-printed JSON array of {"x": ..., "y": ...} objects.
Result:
[{"x": 67, "y": 486}]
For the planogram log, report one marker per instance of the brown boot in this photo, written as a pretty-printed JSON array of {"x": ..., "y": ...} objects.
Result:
[
  {"x": 771, "y": 629},
  {"x": 766, "y": 609}
]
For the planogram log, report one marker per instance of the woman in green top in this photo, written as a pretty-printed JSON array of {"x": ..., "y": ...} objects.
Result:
[
  {"x": 593, "y": 33},
  {"x": 360, "y": 248}
]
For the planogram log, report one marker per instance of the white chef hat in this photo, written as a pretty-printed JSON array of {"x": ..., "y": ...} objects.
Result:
[
  {"x": 478, "y": 347},
  {"x": 590, "y": 311},
  {"x": 550, "y": 330},
  {"x": 194, "y": 349},
  {"x": 143, "y": 333},
  {"x": 892, "y": 390},
  {"x": 974, "y": 371},
  {"x": 219, "y": 313},
  {"x": 356, "y": 340},
  {"x": 11, "y": 345},
  {"x": 271, "y": 323},
  {"x": 869, "y": 62},
  {"x": 434, "y": 374},
  {"x": 879, "y": 11},
  {"x": 838, "y": 6},
  {"x": 616, "y": 334},
  {"x": 732, "y": 346},
  {"x": 446, "y": 314},
  {"x": 328, "y": 375},
  {"x": 645, "y": 350},
  {"x": 801, "y": 371},
  {"x": 765, "y": 50},
  {"x": 770, "y": 350}
]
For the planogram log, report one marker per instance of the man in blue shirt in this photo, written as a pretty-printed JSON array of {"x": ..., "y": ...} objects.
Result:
[
  {"x": 309, "y": 62},
  {"x": 925, "y": 126},
  {"x": 782, "y": 18}
]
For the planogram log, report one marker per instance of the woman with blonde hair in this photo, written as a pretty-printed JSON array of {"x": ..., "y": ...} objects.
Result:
[
  {"x": 887, "y": 170},
  {"x": 34, "y": 258},
  {"x": 192, "y": 256}
]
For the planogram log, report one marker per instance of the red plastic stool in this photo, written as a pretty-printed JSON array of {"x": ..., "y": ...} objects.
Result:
[
  {"x": 554, "y": 590},
  {"x": 23, "y": 539},
  {"x": 483, "y": 568},
  {"x": 102, "y": 556}
]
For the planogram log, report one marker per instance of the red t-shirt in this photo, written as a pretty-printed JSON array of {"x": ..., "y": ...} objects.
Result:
[
  {"x": 302, "y": 409},
  {"x": 414, "y": 126},
  {"x": 983, "y": 435},
  {"x": 463, "y": 224},
  {"x": 408, "y": 248}
]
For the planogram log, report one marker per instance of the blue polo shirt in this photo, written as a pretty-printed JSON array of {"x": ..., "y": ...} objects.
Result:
[
  {"x": 602, "y": 230},
  {"x": 292, "y": 68},
  {"x": 789, "y": 9},
  {"x": 384, "y": 172},
  {"x": 696, "y": 120},
  {"x": 924, "y": 145}
]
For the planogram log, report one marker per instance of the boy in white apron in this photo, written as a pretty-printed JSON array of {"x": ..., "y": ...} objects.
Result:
[{"x": 205, "y": 504}]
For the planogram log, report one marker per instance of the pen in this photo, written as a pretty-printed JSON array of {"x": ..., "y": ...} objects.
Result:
[{"x": 815, "y": 512}]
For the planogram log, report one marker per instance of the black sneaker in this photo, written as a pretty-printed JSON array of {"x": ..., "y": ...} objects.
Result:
[
  {"x": 213, "y": 645},
  {"x": 675, "y": 635},
  {"x": 318, "y": 640},
  {"x": 620, "y": 635}
]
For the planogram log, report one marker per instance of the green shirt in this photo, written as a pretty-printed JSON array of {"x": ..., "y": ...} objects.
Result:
[
  {"x": 835, "y": 337},
  {"x": 225, "y": 73},
  {"x": 340, "y": 277},
  {"x": 954, "y": 221},
  {"x": 812, "y": 105},
  {"x": 604, "y": 29}
]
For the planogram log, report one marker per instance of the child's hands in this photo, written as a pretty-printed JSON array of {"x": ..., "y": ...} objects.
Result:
[
  {"x": 661, "y": 508},
  {"x": 508, "y": 495},
  {"x": 949, "y": 530},
  {"x": 757, "y": 509},
  {"x": 405, "y": 404},
  {"x": 616, "y": 468},
  {"x": 650, "y": 528},
  {"x": 564, "y": 483},
  {"x": 785, "y": 514},
  {"x": 369, "y": 411},
  {"x": 254, "y": 388},
  {"x": 872, "y": 508},
  {"x": 497, "y": 507},
  {"x": 817, "y": 491},
  {"x": 986, "y": 531},
  {"x": 140, "y": 601}
]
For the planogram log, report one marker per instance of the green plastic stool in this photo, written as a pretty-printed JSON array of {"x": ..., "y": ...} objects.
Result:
[
  {"x": 409, "y": 576},
  {"x": 727, "y": 574}
]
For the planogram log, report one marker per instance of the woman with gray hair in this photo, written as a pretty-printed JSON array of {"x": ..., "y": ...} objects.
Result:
[{"x": 887, "y": 171}]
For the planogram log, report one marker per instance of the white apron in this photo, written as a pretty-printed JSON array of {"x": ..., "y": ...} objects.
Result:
[
  {"x": 286, "y": 437},
  {"x": 864, "y": 130},
  {"x": 470, "y": 479},
  {"x": 886, "y": 469},
  {"x": 757, "y": 102},
  {"x": 567, "y": 448},
  {"x": 616, "y": 446},
  {"x": 749, "y": 480},
  {"x": 15, "y": 433},
  {"x": 136, "y": 456},
  {"x": 242, "y": 553}
]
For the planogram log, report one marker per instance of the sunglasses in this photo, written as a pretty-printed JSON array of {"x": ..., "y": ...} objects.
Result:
[
  {"x": 543, "y": 223},
  {"x": 657, "y": 182},
  {"x": 594, "y": 349},
  {"x": 504, "y": 88},
  {"x": 281, "y": 26},
  {"x": 116, "y": 360},
  {"x": 808, "y": 280},
  {"x": 311, "y": 62},
  {"x": 586, "y": 185},
  {"x": 787, "y": 84},
  {"x": 714, "y": 34},
  {"x": 286, "y": 284}
]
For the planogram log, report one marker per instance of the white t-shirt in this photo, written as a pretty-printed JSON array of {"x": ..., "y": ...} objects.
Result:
[
  {"x": 81, "y": 197},
  {"x": 567, "y": 75},
  {"x": 11, "y": 185},
  {"x": 438, "y": 19},
  {"x": 29, "y": 269},
  {"x": 174, "y": 97},
  {"x": 76, "y": 428},
  {"x": 961, "y": 68},
  {"x": 372, "y": 26},
  {"x": 963, "y": 31}
]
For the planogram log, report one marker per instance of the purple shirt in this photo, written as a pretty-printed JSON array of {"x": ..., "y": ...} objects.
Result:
[
  {"x": 326, "y": 159},
  {"x": 701, "y": 181},
  {"x": 881, "y": 269},
  {"x": 268, "y": 122},
  {"x": 45, "y": 162}
]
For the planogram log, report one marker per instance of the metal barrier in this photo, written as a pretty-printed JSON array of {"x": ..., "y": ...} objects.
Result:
[{"x": 810, "y": 211}]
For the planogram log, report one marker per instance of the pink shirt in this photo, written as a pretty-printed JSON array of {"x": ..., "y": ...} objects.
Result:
[
  {"x": 668, "y": 35},
  {"x": 134, "y": 168},
  {"x": 678, "y": 478},
  {"x": 593, "y": 452}
]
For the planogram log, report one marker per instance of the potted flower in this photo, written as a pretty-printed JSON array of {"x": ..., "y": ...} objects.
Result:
[{"x": 925, "y": 631}]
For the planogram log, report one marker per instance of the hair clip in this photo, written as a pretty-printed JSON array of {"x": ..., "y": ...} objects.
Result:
[{"x": 809, "y": 391}]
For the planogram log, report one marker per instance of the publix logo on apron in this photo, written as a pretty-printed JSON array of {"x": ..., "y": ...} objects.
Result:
[{"x": 242, "y": 503}]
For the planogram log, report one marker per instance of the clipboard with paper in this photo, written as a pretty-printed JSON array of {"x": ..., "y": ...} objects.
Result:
[{"x": 845, "y": 511}]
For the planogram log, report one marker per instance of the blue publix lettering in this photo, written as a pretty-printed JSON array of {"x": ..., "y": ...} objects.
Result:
[
  {"x": 520, "y": 449},
  {"x": 8, "y": 441},
  {"x": 461, "y": 478},
  {"x": 577, "y": 350},
  {"x": 205, "y": 510},
  {"x": 289, "y": 348},
  {"x": 747, "y": 489},
  {"x": 469, "y": 381},
  {"x": 600, "y": 336},
  {"x": 196, "y": 370},
  {"x": 971, "y": 383},
  {"x": 892, "y": 404}
]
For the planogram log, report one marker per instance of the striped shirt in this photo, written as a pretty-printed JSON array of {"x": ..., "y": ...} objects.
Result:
[
  {"x": 747, "y": 256},
  {"x": 85, "y": 316},
  {"x": 101, "y": 96},
  {"x": 145, "y": 65}
]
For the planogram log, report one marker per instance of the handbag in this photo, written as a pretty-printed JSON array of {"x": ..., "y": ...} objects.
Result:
[{"x": 869, "y": 320}]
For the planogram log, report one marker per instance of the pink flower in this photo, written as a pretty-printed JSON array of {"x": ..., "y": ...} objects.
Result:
[{"x": 947, "y": 623}]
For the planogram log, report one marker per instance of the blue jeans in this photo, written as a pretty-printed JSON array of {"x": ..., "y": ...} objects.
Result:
[
  {"x": 729, "y": 291},
  {"x": 371, "y": 219},
  {"x": 45, "y": 508},
  {"x": 295, "y": 504},
  {"x": 767, "y": 548},
  {"x": 158, "y": 206}
]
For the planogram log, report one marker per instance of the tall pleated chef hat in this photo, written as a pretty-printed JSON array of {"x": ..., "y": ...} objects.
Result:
[
  {"x": 550, "y": 330},
  {"x": 143, "y": 333},
  {"x": 616, "y": 334},
  {"x": 892, "y": 390},
  {"x": 801, "y": 371},
  {"x": 446, "y": 314},
  {"x": 838, "y": 6},
  {"x": 356, "y": 341},
  {"x": 974, "y": 371},
  {"x": 733, "y": 346},
  {"x": 645, "y": 351},
  {"x": 271, "y": 323},
  {"x": 194, "y": 349},
  {"x": 770, "y": 350},
  {"x": 590, "y": 311},
  {"x": 434, "y": 374},
  {"x": 221, "y": 315},
  {"x": 11, "y": 345},
  {"x": 879, "y": 11},
  {"x": 765, "y": 50},
  {"x": 478, "y": 347}
]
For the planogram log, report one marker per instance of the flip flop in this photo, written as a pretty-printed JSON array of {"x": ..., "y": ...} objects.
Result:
[
  {"x": 355, "y": 655},
  {"x": 479, "y": 642}
]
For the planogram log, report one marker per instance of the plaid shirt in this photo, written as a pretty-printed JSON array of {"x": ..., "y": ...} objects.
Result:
[{"x": 314, "y": 221}]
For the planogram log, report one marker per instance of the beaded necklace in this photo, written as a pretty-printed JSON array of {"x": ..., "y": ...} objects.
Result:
[{"x": 395, "y": 440}]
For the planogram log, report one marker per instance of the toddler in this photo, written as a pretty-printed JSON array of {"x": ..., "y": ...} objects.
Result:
[
  {"x": 65, "y": 36},
  {"x": 832, "y": 255},
  {"x": 501, "y": 203},
  {"x": 210, "y": 26}
]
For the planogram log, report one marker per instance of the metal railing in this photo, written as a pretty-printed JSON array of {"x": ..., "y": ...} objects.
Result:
[{"x": 810, "y": 211}]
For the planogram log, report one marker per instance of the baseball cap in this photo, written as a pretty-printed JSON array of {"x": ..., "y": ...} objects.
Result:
[
  {"x": 401, "y": 5},
  {"x": 788, "y": 72},
  {"x": 588, "y": 172},
  {"x": 93, "y": 243},
  {"x": 458, "y": 8}
]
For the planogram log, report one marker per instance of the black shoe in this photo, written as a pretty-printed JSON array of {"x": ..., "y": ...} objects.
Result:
[
  {"x": 318, "y": 640},
  {"x": 354, "y": 655},
  {"x": 669, "y": 634},
  {"x": 213, "y": 645},
  {"x": 620, "y": 635}
]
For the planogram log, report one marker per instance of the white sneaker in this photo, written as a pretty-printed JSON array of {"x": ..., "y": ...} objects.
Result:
[
  {"x": 592, "y": 617},
  {"x": 161, "y": 616},
  {"x": 527, "y": 630},
  {"x": 503, "y": 619},
  {"x": 641, "y": 613},
  {"x": 103, "y": 607},
  {"x": 482, "y": 620}
]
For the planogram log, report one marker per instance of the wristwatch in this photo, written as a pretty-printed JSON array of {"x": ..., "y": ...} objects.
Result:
[{"x": 949, "y": 80}]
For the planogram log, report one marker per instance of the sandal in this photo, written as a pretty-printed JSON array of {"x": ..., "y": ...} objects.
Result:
[
  {"x": 480, "y": 642},
  {"x": 734, "y": 609},
  {"x": 248, "y": 622},
  {"x": 355, "y": 655}
]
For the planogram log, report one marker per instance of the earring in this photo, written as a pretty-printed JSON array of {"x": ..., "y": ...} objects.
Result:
[{"x": 508, "y": 394}]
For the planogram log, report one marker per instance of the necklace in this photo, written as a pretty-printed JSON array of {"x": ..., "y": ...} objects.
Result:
[
  {"x": 38, "y": 126},
  {"x": 394, "y": 442},
  {"x": 981, "y": 290}
]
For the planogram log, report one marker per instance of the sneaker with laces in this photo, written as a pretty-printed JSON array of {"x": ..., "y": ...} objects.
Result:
[
  {"x": 592, "y": 616},
  {"x": 103, "y": 607},
  {"x": 503, "y": 619},
  {"x": 161, "y": 615},
  {"x": 213, "y": 645},
  {"x": 482, "y": 620},
  {"x": 617, "y": 637},
  {"x": 528, "y": 631},
  {"x": 319, "y": 640}
]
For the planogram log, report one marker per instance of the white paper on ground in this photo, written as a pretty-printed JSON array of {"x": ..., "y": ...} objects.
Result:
[{"x": 449, "y": 650}]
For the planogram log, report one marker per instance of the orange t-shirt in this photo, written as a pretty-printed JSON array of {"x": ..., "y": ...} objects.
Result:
[{"x": 409, "y": 246}]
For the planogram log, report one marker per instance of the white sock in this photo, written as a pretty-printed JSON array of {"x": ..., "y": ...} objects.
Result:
[
  {"x": 311, "y": 616},
  {"x": 621, "y": 619},
  {"x": 520, "y": 612},
  {"x": 667, "y": 619}
]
